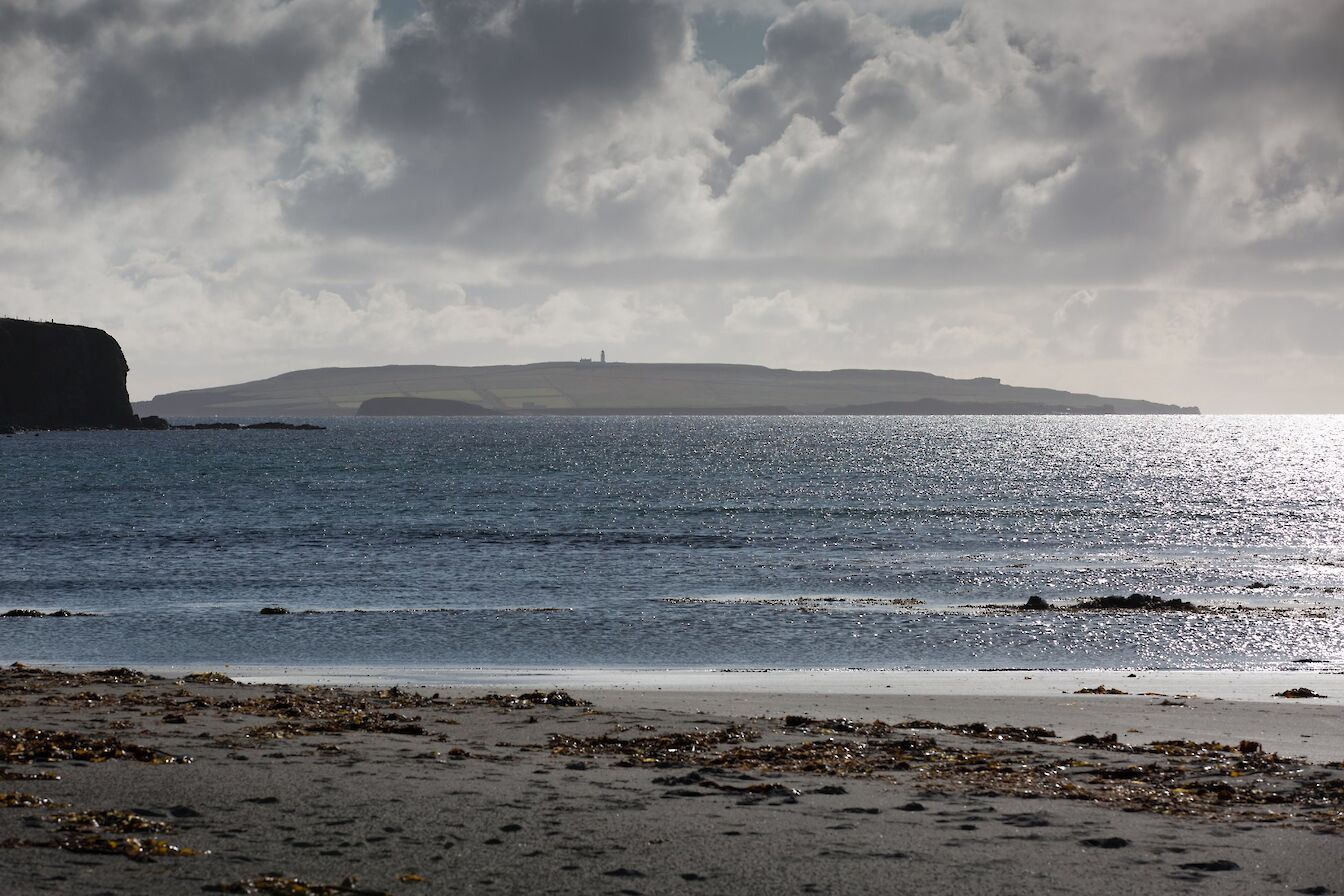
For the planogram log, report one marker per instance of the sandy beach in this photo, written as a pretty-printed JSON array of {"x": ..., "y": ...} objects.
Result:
[{"x": 118, "y": 782}]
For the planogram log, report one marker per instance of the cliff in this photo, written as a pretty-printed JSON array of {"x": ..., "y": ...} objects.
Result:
[
  {"x": 59, "y": 376},
  {"x": 562, "y": 387}
]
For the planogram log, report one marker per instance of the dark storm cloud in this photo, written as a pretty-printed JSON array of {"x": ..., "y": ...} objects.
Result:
[
  {"x": 472, "y": 99},
  {"x": 149, "y": 74},
  {"x": 810, "y": 55},
  {"x": 1280, "y": 59}
]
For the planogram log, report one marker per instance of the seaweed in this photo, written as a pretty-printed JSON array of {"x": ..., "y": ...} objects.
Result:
[
  {"x": 525, "y": 701},
  {"x": 208, "y": 678},
  {"x": 1208, "y": 779},
  {"x": 7, "y": 775},
  {"x": 31, "y": 677},
  {"x": 140, "y": 849},
  {"x": 117, "y": 821},
  {"x": 15, "y": 799},
  {"x": 1006, "y": 733},
  {"x": 37, "y": 745},
  {"x": 660, "y": 749},
  {"x": 292, "y": 886}
]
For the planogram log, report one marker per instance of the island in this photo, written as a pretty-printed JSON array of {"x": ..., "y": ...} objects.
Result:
[
  {"x": 407, "y": 406},
  {"x": 588, "y": 387}
]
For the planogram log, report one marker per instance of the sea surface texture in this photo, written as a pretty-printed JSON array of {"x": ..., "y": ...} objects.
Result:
[{"x": 679, "y": 542}]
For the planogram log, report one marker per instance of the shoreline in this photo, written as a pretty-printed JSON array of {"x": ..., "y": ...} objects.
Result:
[
  {"x": 122, "y": 783},
  {"x": 1256, "y": 685}
]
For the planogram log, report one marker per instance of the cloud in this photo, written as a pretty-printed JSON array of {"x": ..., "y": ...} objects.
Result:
[
  {"x": 1094, "y": 196},
  {"x": 784, "y": 313},
  {"x": 512, "y": 123}
]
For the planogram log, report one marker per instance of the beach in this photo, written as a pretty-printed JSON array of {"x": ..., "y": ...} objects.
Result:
[{"x": 721, "y": 782}]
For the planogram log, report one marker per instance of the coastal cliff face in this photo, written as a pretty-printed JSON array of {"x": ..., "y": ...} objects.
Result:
[{"x": 60, "y": 376}]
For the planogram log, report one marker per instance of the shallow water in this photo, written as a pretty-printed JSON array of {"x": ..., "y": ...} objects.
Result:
[{"x": 679, "y": 542}]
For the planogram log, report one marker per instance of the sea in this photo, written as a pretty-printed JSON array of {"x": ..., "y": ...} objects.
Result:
[{"x": 679, "y": 543}]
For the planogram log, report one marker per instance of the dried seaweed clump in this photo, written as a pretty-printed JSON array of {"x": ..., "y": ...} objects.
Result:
[
  {"x": 1212, "y": 780},
  {"x": 26, "y": 678},
  {"x": 36, "y": 745},
  {"x": 7, "y": 775},
  {"x": 209, "y": 678},
  {"x": 117, "y": 821},
  {"x": 141, "y": 849},
  {"x": 1300, "y": 694},
  {"x": 664, "y": 749},
  {"x": 525, "y": 701},
  {"x": 835, "y": 757},
  {"x": 1102, "y": 689},
  {"x": 329, "y": 711},
  {"x": 15, "y": 799},
  {"x": 292, "y": 886},
  {"x": 979, "y": 730},
  {"x": 341, "y": 721},
  {"x": 828, "y": 757}
]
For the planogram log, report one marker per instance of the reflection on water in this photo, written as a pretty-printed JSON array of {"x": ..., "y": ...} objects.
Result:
[{"x": 178, "y": 538}]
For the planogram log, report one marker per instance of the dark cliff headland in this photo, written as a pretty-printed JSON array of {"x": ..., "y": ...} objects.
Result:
[{"x": 61, "y": 376}]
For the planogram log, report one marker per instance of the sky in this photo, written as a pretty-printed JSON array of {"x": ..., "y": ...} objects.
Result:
[{"x": 1136, "y": 198}]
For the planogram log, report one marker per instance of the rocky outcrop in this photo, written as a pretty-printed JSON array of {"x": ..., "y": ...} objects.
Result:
[
  {"x": 60, "y": 376},
  {"x": 272, "y": 424}
]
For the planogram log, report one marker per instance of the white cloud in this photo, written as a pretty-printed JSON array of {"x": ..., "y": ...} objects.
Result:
[
  {"x": 784, "y": 313},
  {"x": 1091, "y": 196}
]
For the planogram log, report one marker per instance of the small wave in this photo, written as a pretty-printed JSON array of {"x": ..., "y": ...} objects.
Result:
[
  {"x": 425, "y": 611},
  {"x": 805, "y": 602}
]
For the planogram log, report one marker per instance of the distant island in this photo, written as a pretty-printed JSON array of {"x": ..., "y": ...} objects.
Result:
[
  {"x": 402, "y": 406},
  {"x": 588, "y": 387}
]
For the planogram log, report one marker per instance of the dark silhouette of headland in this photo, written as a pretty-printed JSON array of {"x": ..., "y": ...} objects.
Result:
[
  {"x": 62, "y": 376},
  {"x": 601, "y": 387}
]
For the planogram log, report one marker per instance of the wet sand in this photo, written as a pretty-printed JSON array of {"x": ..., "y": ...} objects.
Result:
[{"x": 716, "y": 790}]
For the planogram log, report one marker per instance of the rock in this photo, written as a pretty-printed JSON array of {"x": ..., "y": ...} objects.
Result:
[
  {"x": 59, "y": 376},
  {"x": 38, "y": 614},
  {"x": 1091, "y": 740},
  {"x": 273, "y": 424},
  {"x": 1134, "y": 602},
  {"x": 274, "y": 611},
  {"x": 1036, "y": 602}
]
